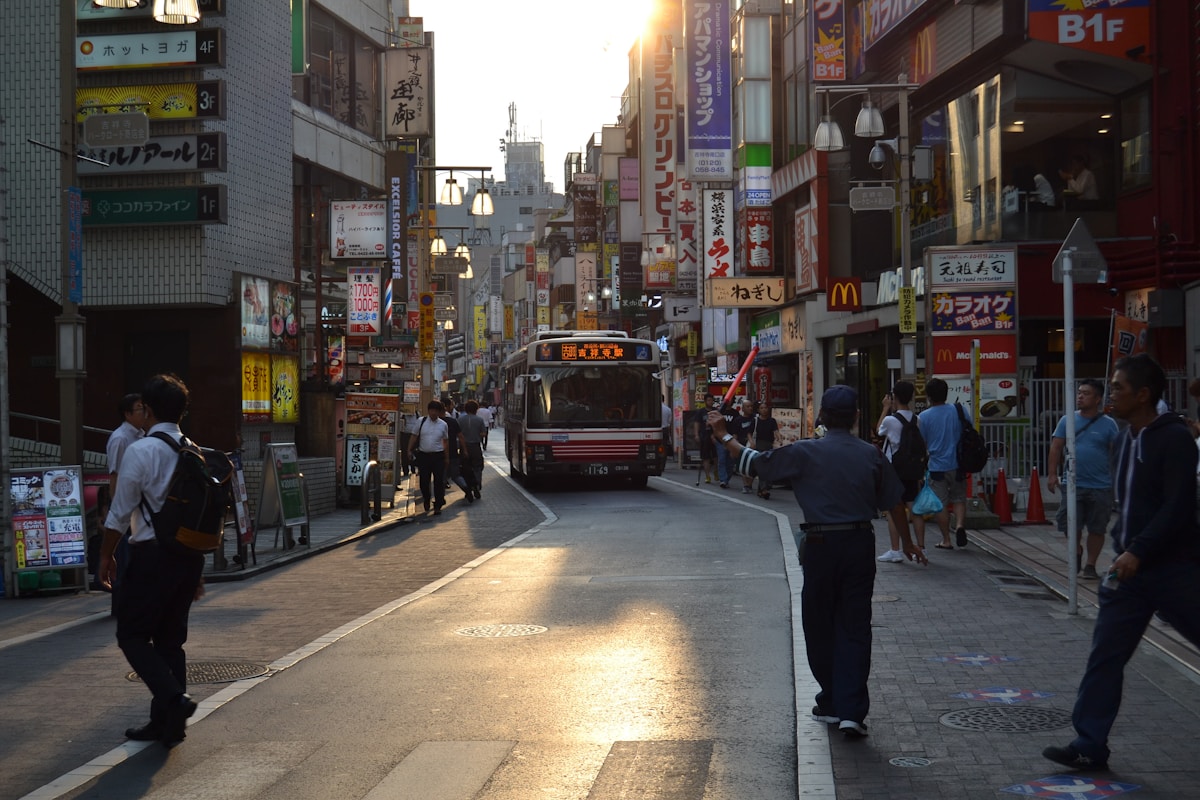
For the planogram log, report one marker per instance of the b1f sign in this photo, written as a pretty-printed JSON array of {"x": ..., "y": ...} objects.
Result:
[{"x": 1109, "y": 27}]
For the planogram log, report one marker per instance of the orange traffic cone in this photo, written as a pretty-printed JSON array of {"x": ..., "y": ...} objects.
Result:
[
  {"x": 1035, "y": 515},
  {"x": 1002, "y": 505}
]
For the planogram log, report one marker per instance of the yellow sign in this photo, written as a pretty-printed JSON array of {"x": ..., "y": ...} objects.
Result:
[
  {"x": 543, "y": 315},
  {"x": 908, "y": 309},
  {"x": 285, "y": 390},
  {"x": 481, "y": 327},
  {"x": 159, "y": 101},
  {"x": 256, "y": 387}
]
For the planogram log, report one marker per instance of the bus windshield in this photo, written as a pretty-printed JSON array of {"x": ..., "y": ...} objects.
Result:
[{"x": 594, "y": 396}]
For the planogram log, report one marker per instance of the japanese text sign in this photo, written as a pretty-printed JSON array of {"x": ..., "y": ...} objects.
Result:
[
  {"x": 362, "y": 308},
  {"x": 746, "y": 292},
  {"x": 958, "y": 267}
]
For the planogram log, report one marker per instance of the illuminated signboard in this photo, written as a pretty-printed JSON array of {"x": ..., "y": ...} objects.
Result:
[{"x": 607, "y": 350}]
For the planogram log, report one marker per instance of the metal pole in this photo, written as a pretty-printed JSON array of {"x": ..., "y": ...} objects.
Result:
[
  {"x": 68, "y": 323},
  {"x": 8, "y": 571},
  {"x": 908, "y": 342},
  {"x": 1068, "y": 284}
]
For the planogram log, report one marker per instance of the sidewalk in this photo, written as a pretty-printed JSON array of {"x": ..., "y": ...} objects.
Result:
[{"x": 39, "y": 614}]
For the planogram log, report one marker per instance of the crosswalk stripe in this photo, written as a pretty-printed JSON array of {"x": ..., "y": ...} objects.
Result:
[{"x": 442, "y": 771}]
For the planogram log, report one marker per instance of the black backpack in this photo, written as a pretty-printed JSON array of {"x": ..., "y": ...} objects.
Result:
[
  {"x": 911, "y": 455},
  {"x": 972, "y": 451},
  {"x": 193, "y": 515}
]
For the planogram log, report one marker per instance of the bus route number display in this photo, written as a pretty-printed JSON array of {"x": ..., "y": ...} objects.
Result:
[{"x": 594, "y": 351}]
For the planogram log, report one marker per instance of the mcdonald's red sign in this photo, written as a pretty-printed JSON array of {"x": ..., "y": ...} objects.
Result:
[{"x": 845, "y": 294}]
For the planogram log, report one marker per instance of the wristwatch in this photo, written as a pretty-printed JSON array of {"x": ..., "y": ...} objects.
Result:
[{"x": 726, "y": 438}]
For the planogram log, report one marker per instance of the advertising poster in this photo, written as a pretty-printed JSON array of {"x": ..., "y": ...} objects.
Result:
[
  {"x": 363, "y": 307},
  {"x": 358, "y": 453},
  {"x": 285, "y": 319},
  {"x": 359, "y": 228},
  {"x": 48, "y": 523},
  {"x": 256, "y": 387},
  {"x": 998, "y": 397},
  {"x": 255, "y": 319},
  {"x": 375, "y": 416},
  {"x": 285, "y": 389},
  {"x": 965, "y": 312},
  {"x": 336, "y": 361},
  {"x": 282, "y": 498}
]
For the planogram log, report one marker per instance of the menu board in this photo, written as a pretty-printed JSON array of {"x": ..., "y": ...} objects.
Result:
[{"x": 48, "y": 518}]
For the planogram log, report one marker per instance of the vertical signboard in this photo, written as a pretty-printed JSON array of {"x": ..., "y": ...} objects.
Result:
[
  {"x": 285, "y": 389},
  {"x": 395, "y": 169},
  {"x": 687, "y": 252},
  {"x": 75, "y": 242},
  {"x": 47, "y": 517},
  {"x": 829, "y": 41},
  {"x": 408, "y": 86},
  {"x": 363, "y": 306},
  {"x": 709, "y": 90},
  {"x": 281, "y": 501},
  {"x": 758, "y": 241},
  {"x": 374, "y": 415},
  {"x": 972, "y": 298},
  {"x": 357, "y": 228},
  {"x": 256, "y": 387},
  {"x": 660, "y": 122},
  {"x": 715, "y": 219}
]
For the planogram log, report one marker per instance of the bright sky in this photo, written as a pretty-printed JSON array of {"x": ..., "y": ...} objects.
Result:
[{"x": 564, "y": 63}]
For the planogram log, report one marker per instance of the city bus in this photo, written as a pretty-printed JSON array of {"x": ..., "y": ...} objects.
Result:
[{"x": 584, "y": 404}]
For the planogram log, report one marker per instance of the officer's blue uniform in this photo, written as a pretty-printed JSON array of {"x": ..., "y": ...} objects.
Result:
[{"x": 841, "y": 483}]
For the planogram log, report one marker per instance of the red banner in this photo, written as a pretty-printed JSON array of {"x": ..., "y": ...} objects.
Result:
[{"x": 952, "y": 354}]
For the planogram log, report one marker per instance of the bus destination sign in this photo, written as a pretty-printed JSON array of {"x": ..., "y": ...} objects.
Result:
[{"x": 612, "y": 350}]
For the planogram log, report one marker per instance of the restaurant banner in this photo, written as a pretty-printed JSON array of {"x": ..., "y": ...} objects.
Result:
[
  {"x": 256, "y": 387},
  {"x": 285, "y": 390}
]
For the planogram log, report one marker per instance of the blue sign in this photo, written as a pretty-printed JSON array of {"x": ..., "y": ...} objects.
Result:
[
  {"x": 74, "y": 287},
  {"x": 710, "y": 90}
]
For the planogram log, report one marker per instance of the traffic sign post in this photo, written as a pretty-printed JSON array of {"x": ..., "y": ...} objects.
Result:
[{"x": 1078, "y": 258}]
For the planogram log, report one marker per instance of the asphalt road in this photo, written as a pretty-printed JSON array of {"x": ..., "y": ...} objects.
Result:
[{"x": 621, "y": 643}]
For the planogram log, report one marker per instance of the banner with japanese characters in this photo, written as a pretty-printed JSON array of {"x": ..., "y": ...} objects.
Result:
[
  {"x": 47, "y": 512},
  {"x": 709, "y": 90},
  {"x": 358, "y": 228},
  {"x": 716, "y": 223},
  {"x": 363, "y": 307},
  {"x": 408, "y": 89},
  {"x": 256, "y": 387}
]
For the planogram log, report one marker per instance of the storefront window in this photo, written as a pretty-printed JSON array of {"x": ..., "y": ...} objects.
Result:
[
  {"x": 1135, "y": 141},
  {"x": 344, "y": 73}
]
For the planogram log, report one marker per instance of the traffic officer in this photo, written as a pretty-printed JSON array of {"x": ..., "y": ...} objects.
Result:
[{"x": 840, "y": 483}]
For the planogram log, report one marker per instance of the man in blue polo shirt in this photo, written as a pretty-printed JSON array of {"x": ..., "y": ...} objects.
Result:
[{"x": 1095, "y": 436}]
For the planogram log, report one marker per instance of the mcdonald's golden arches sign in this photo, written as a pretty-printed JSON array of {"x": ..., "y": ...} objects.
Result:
[{"x": 844, "y": 294}]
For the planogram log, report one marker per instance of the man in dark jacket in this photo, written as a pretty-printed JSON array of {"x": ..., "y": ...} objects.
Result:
[{"x": 1158, "y": 554}]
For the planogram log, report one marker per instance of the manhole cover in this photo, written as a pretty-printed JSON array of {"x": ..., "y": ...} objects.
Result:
[
  {"x": 217, "y": 671},
  {"x": 498, "y": 631},
  {"x": 909, "y": 761},
  {"x": 1006, "y": 719}
]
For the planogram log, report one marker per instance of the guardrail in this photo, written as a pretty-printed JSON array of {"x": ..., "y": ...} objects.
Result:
[{"x": 372, "y": 487}]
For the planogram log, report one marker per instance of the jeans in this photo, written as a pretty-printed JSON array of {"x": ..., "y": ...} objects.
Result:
[
  {"x": 1124, "y": 614},
  {"x": 724, "y": 468},
  {"x": 839, "y": 578}
]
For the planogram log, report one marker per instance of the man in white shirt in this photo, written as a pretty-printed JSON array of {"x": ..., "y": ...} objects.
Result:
[
  {"x": 890, "y": 428},
  {"x": 129, "y": 431},
  {"x": 485, "y": 414},
  {"x": 1080, "y": 180},
  {"x": 160, "y": 583},
  {"x": 430, "y": 449}
]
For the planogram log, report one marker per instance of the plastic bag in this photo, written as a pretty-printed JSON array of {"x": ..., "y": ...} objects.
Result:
[{"x": 927, "y": 501}]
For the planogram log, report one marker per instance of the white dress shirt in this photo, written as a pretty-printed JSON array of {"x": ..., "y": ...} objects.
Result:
[
  {"x": 118, "y": 442},
  {"x": 146, "y": 469}
]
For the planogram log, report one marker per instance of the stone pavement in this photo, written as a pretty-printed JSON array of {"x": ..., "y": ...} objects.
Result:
[{"x": 975, "y": 666}]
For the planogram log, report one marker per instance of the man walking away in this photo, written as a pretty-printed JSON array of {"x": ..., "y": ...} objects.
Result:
[
  {"x": 429, "y": 451},
  {"x": 473, "y": 432},
  {"x": 841, "y": 483},
  {"x": 941, "y": 428},
  {"x": 485, "y": 414},
  {"x": 130, "y": 430},
  {"x": 456, "y": 447},
  {"x": 1095, "y": 438},
  {"x": 1157, "y": 542},
  {"x": 890, "y": 427},
  {"x": 160, "y": 583}
]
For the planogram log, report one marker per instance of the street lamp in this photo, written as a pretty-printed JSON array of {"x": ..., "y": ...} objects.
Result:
[
  {"x": 869, "y": 125},
  {"x": 479, "y": 207}
]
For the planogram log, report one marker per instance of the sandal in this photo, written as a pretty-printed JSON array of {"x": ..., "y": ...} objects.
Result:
[{"x": 941, "y": 546}]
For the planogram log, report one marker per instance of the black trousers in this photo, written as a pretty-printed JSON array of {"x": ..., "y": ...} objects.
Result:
[
  {"x": 472, "y": 465},
  {"x": 152, "y": 619},
  {"x": 431, "y": 467}
]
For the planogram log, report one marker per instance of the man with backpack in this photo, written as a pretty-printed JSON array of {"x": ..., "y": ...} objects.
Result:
[
  {"x": 904, "y": 447},
  {"x": 942, "y": 428},
  {"x": 160, "y": 582}
]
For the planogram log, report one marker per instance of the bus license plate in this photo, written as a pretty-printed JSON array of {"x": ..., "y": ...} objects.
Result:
[{"x": 596, "y": 469}]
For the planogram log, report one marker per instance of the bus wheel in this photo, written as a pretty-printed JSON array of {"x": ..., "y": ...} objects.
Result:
[{"x": 639, "y": 481}]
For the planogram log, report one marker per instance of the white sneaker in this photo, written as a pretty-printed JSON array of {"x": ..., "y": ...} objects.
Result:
[
  {"x": 851, "y": 729},
  {"x": 892, "y": 557}
]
